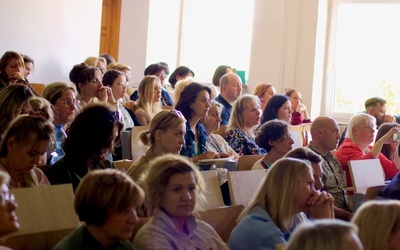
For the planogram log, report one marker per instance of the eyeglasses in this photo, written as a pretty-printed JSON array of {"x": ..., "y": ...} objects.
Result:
[
  {"x": 70, "y": 102},
  {"x": 173, "y": 112},
  {"x": 370, "y": 126},
  {"x": 6, "y": 197}
]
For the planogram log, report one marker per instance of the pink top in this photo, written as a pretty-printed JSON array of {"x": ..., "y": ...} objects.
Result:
[
  {"x": 348, "y": 151},
  {"x": 41, "y": 177}
]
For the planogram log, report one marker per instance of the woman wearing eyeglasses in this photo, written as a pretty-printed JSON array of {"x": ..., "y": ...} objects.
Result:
[
  {"x": 165, "y": 135},
  {"x": 356, "y": 146},
  {"x": 194, "y": 103},
  {"x": 25, "y": 142},
  {"x": 61, "y": 95},
  {"x": 90, "y": 139},
  {"x": 106, "y": 201},
  {"x": 9, "y": 220}
]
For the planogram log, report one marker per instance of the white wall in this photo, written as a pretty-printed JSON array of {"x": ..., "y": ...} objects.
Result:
[{"x": 57, "y": 34}]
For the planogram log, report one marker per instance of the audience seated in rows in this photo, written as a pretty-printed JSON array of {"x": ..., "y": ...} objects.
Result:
[
  {"x": 149, "y": 102},
  {"x": 231, "y": 90},
  {"x": 25, "y": 142},
  {"x": 325, "y": 136},
  {"x": 173, "y": 186},
  {"x": 245, "y": 116},
  {"x": 194, "y": 104},
  {"x": 300, "y": 113},
  {"x": 90, "y": 138},
  {"x": 325, "y": 234},
  {"x": 215, "y": 142},
  {"x": 264, "y": 91},
  {"x": 273, "y": 136},
  {"x": 378, "y": 224},
  {"x": 61, "y": 95},
  {"x": 12, "y": 99},
  {"x": 278, "y": 206},
  {"x": 88, "y": 83},
  {"x": 106, "y": 202},
  {"x": 165, "y": 135},
  {"x": 360, "y": 135}
]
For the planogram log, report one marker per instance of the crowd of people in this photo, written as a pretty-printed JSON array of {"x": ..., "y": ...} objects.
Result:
[{"x": 302, "y": 203}]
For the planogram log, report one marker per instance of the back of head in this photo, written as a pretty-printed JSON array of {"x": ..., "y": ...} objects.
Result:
[
  {"x": 102, "y": 193},
  {"x": 82, "y": 73},
  {"x": 377, "y": 221},
  {"x": 91, "y": 61},
  {"x": 237, "y": 119},
  {"x": 53, "y": 91},
  {"x": 218, "y": 73},
  {"x": 163, "y": 121},
  {"x": 109, "y": 58},
  {"x": 355, "y": 120},
  {"x": 92, "y": 132},
  {"x": 188, "y": 96},
  {"x": 277, "y": 192},
  {"x": 159, "y": 173},
  {"x": 372, "y": 102},
  {"x": 271, "y": 131},
  {"x": 322, "y": 234},
  {"x": 110, "y": 76},
  {"x": 7, "y": 57},
  {"x": 305, "y": 154},
  {"x": 271, "y": 110},
  {"x": 180, "y": 86},
  {"x": 261, "y": 88},
  {"x": 180, "y": 71},
  {"x": 11, "y": 99},
  {"x": 37, "y": 121}
]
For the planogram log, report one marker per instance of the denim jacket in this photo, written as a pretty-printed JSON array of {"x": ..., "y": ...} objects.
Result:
[{"x": 188, "y": 148}]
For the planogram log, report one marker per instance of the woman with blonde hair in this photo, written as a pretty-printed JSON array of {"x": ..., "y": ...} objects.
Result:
[
  {"x": 264, "y": 91},
  {"x": 279, "y": 205},
  {"x": 62, "y": 97},
  {"x": 106, "y": 201},
  {"x": 325, "y": 234},
  {"x": 173, "y": 185},
  {"x": 379, "y": 224},
  {"x": 149, "y": 102},
  {"x": 165, "y": 135},
  {"x": 244, "y": 118},
  {"x": 180, "y": 86},
  {"x": 25, "y": 142},
  {"x": 99, "y": 62},
  {"x": 359, "y": 135}
]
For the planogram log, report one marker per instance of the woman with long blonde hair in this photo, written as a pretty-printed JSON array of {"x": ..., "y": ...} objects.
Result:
[{"x": 149, "y": 102}]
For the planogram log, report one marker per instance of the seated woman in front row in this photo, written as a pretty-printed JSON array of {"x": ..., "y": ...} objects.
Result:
[
  {"x": 244, "y": 118},
  {"x": 279, "y": 205},
  {"x": 215, "y": 142},
  {"x": 25, "y": 142},
  {"x": 273, "y": 136},
  {"x": 165, "y": 135},
  {"x": 356, "y": 146},
  {"x": 106, "y": 201},
  {"x": 173, "y": 185}
]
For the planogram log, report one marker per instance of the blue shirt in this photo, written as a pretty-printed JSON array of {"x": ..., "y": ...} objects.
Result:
[
  {"x": 257, "y": 231},
  {"x": 226, "y": 110},
  {"x": 392, "y": 190},
  {"x": 188, "y": 148}
]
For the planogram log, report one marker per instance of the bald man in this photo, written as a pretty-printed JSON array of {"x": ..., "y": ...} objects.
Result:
[
  {"x": 231, "y": 89},
  {"x": 325, "y": 136}
]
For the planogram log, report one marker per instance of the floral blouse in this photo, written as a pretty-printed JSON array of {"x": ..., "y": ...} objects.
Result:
[{"x": 242, "y": 143}]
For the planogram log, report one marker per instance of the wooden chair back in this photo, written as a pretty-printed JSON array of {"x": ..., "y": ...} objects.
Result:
[
  {"x": 366, "y": 173},
  {"x": 374, "y": 191},
  {"x": 246, "y": 162},
  {"x": 223, "y": 219},
  {"x": 38, "y": 87},
  {"x": 137, "y": 148},
  {"x": 46, "y": 215},
  {"x": 212, "y": 192},
  {"x": 243, "y": 185}
]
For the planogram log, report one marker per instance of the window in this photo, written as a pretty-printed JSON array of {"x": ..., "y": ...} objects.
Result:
[
  {"x": 364, "y": 59},
  {"x": 201, "y": 34}
]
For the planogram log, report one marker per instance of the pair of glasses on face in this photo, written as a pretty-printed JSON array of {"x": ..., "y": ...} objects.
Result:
[
  {"x": 370, "y": 126},
  {"x": 6, "y": 197},
  {"x": 70, "y": 102},
  {"x": 173, "y": 112}
]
